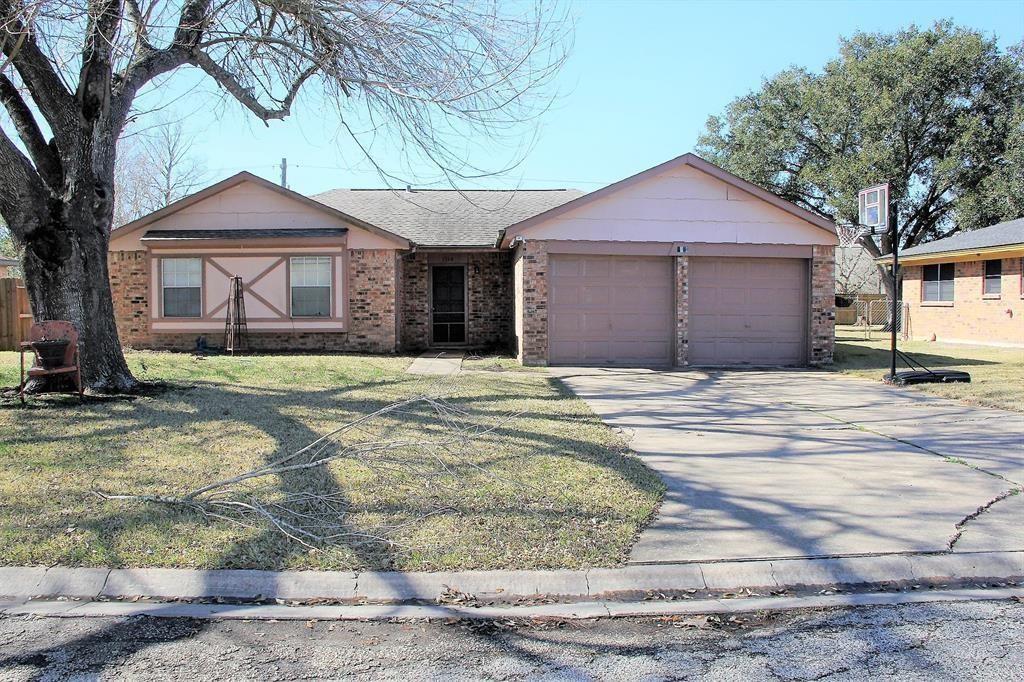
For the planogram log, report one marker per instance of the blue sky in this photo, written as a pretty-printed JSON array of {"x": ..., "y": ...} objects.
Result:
[{"x": 641, "y": 81}]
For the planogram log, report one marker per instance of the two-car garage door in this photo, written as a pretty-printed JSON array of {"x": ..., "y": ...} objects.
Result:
[{"x": 621, "y": 310}]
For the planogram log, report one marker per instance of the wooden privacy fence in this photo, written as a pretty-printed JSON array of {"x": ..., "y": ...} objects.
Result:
[{"x": 15, "y": 313}]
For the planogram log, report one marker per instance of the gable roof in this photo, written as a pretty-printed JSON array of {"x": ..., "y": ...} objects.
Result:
[
  {"x": 1009, "y": 233},
  {"x": 688, "y": 159},
  {"x": 246, "y": 176},
  {"x": 446, "y": 217}
]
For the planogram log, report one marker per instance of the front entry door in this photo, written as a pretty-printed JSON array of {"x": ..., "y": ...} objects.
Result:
[{"x": 448, "y": 304}]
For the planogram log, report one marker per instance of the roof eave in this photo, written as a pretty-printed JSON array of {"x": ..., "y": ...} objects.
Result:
[{"x": 1003, "y": 249}]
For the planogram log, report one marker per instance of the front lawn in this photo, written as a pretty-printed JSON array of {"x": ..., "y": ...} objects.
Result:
[
  {"x": 554, "y": 487},
  {"x": 997, "y": 374}
]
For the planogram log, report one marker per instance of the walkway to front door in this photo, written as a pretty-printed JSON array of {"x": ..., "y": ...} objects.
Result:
[{"x": 448, "y": 304}]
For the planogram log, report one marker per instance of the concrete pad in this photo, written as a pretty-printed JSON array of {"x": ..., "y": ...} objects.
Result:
[
  {"x": 72, "y": 582},
  {"x": 736, "y": 575},
  {"x": 779, "y": 464},
  {"x": 20, "y": 582},
  {"x": 842, "y": 571},
  {"x": 440, "y": 363},
  {"x": 981, "y": 565},
  {"x": 999, "y": 528},
  {"x": 639, "y": 580}
]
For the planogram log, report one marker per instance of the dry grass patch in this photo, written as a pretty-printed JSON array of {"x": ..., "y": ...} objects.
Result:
[
  {"x": 997, "y": 374},
  {"x": 555, "y": 487}
]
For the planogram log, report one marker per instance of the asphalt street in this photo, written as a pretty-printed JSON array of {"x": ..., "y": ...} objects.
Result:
[{"x": 963, "y": 641}]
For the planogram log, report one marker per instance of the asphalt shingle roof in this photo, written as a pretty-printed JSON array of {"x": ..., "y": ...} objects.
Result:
[
  {"x": 445, "y": 217},
  {"x": 152, "y": 235},
  {"x": 1001, "y": 234}
]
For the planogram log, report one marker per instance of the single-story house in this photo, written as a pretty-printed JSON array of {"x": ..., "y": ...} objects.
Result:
[
  {"x": 681, "y": 264},
  {"x": 967, "y": 288},
  {"x": 8, "y": 266}
]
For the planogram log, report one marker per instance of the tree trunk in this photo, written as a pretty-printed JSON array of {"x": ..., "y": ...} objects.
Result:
[{"x": 66, "y": 275}]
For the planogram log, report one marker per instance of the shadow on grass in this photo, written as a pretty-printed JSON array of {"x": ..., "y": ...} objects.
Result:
[{"x": 849, "y": 355}]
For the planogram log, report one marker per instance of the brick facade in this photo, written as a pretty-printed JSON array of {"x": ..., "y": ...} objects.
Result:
[
  {"x": 823, "y": 305},
  {"x": 372, "y": 310},
  {"x": 129, "y": 286},
  {"x": 682, "y": 302},
  {"x": 532, "y": 303},
  {"x": 972, "y": 317},
  {"x": 489, "y": 302}
]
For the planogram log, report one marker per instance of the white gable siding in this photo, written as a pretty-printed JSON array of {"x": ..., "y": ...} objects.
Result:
[
  {"x": 681, "y": 204},
  {"x": 249, "y": 206}
]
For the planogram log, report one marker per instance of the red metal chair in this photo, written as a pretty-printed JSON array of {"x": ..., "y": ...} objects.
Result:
[{"x": 52, "y": 330}]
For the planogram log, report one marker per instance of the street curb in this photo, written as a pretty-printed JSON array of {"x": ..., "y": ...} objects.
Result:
[
  {"x": 578, "y": 611},
  {"x": 629, "y": 582}
]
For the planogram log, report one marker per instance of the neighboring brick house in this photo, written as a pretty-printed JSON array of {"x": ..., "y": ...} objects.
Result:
[
  {"x": 681, "y": 264},
  {"x": 967, "y": 288}
]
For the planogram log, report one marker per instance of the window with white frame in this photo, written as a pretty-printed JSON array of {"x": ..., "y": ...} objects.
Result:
[
  {"x": 938, "y": 282},
  {"x": 311, "y": 286},
  {"x": 993, "y": 277},
  {"x": 182, "y": 282}
]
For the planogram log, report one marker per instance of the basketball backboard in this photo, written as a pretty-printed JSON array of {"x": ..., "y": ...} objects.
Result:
[{"x": 873, "y": 207}]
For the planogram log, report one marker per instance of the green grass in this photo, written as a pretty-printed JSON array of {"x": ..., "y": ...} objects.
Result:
[
  {"x": 555, "y": 488},
  {"x": 997, "y": 374}
]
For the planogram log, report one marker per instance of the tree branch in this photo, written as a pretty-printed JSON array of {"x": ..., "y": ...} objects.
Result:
[
  {"x": 244, "y": 95},
  {"x": 43, "y": 155},
  {"x": 20, "y": 188},
  {"x": 48, "y": 91}
]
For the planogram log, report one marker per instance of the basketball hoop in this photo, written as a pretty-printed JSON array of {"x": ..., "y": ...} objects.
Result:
[{"x": 849, "y": 235}]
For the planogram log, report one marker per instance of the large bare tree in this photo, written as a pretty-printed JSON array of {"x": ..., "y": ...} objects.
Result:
[
  {"x": 155, "y": 168},
  {"x": 432, "y": 74}
]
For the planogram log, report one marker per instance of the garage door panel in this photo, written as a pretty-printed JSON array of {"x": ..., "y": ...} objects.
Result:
[
  {"x": 624, "y": 306},
  {"x": 747, "y": 311}
]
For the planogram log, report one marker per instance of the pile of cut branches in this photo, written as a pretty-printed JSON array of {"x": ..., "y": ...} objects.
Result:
[{"x": 316, "y": 515}]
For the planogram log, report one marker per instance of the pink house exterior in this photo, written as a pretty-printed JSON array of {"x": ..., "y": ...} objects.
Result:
[{"x": 681, "y": 264}]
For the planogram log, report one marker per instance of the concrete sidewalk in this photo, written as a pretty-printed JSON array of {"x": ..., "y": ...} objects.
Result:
[
  {"x": 437, "y": 363},
  {"x": 630, "y": 582}
]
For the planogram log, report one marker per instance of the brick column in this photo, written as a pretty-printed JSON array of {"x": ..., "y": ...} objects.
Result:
[
  {"x": 129, "y": 288},
  {"x": 682, "y": 295},
  {"x": 823, "y": 304},
  {"x": 533, "y": 346}
]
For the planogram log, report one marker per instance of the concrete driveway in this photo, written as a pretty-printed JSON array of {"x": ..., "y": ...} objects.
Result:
[{"x": 777, "y": 464}]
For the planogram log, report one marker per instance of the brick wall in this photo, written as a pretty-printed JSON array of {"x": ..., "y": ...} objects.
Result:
[
  {"x": 372, "y": 309},
  {"x": 489, "y": 285},
  {"x": 372, "y": 301},
  {"x": 532, "y": 303},
  {"x": 129, "y": 286},
  {"x": 823, "y": 304},
  {"x": 972, "y": 317},
  {"x": 682, "y": 296}
]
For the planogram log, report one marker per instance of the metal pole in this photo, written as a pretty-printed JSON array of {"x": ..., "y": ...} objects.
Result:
[
  {"x": 284, "y": 173},
  {"x": 894, "y": 321}
]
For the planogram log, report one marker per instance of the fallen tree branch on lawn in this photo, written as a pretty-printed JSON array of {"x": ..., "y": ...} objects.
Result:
[{"x": 310, "y": 507}]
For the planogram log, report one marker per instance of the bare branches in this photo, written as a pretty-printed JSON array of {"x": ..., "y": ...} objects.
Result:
[
  {"x": 43, "y": 155},
  {"x": 313, "y": 515}
]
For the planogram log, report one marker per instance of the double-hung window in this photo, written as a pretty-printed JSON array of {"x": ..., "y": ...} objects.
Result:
[
  {"x": 938, "y": 282},
  {"x": 311, "y": 286},
  {"x": 993, "y": 277},
  {"x": 182, "y": 282}
]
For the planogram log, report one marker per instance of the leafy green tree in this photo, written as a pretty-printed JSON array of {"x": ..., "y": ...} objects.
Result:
[{"x": 938, "y": 113}]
